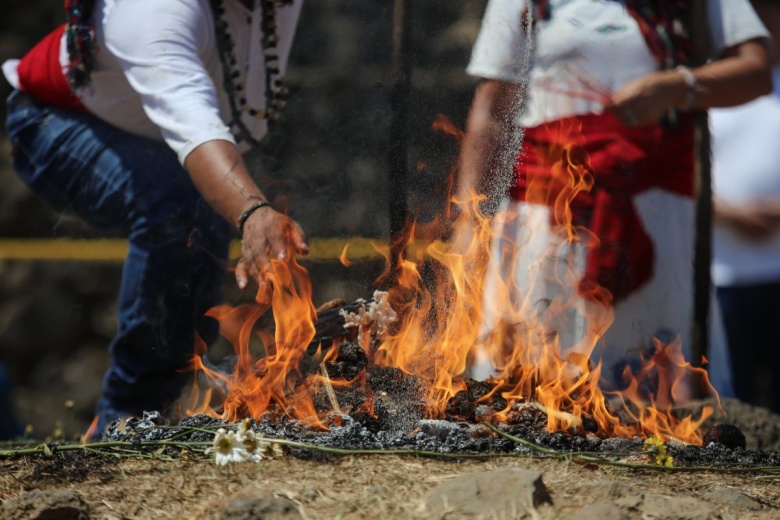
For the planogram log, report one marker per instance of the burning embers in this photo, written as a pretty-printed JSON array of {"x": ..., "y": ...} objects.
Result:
[
  {"x": 407, "y": 352},
  {"x": 402, "y": 356}
]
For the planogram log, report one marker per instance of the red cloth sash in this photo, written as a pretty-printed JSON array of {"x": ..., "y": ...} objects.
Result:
[
  {"x": 41, "y": 75},
  {"x": 587, "y": 169}
]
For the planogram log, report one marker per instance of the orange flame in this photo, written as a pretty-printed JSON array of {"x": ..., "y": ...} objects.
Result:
[
  {"x": 258, "y": 381},
  {"x": 443, "y": 330}
]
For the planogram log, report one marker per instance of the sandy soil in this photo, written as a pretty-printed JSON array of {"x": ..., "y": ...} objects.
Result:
[
  {"x": 345, "y": 487},
  {"x": 379, "y": 486}
]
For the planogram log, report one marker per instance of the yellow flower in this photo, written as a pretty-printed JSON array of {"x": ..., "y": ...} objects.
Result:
[{"x": 657, "y": 452}]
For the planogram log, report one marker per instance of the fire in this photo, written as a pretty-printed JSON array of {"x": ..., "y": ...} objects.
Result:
[
  {"x": 259, "y": 381},
  {"x": 444, "y": 329}
]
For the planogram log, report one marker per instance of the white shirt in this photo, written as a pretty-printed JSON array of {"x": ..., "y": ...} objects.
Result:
[
  {"x": 575, "y": 50},
  {"x": 745, "y": 167},
  {"x": 157, "y": 71}
]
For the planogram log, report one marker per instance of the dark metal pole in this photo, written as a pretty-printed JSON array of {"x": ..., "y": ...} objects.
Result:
[
  {"x": 399, "y": 132},
  {"x": 703, "y": 162}
]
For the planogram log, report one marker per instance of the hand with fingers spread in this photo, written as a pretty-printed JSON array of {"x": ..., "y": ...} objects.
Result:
[
  {"x": 220, "y": 174},
  {"x": 267, "y": 235}
]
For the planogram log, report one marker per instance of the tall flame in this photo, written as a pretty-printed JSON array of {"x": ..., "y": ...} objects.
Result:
[{"x": 445, "y": 329}]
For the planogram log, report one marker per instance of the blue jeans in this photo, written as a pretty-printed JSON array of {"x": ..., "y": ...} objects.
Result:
[
  {"x": 751, "y": 315},
  {"x": 178, "y": 245},
  {"x": 9, "y": 427}
]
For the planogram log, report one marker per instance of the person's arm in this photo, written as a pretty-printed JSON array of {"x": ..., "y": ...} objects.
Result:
[
  {"x": 487, "y": 154},
  {"x": 742, "y": 75},
  {"x": 756, "y": 220},
  {"x": 219, "y": 173},
  {"x": 163, "y": 65}
]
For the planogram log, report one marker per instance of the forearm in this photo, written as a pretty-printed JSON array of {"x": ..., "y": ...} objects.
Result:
[
  {"x": 487, "y": 154},
  {"x": 220, "y": 175},
  {"x": 741, "y": 76}
]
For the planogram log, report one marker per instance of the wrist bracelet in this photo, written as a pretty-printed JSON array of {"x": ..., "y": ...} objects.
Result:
[
  {"x": 692, "y": 83},
  {"x": 247, "y": 213}
]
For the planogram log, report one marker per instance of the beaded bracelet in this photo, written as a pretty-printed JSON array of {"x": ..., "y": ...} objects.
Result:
[
  {"x": 247, "y": 213},
  {"x": 692, "y": 83}
]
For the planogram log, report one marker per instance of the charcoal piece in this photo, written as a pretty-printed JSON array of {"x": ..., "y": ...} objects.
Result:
[
  {"x": 726, "y": 434},
  {"x": 618, "y": 444},
  {"x": 350, "y": 362},
  {"x": 320, "y": 399},
  {"x": 498, "y": 403},
  {"x": 368, "y": 421},
  {"x": 589, "y": 425},
  {"x": 461, "y": 406},
  {"x": 330, "y": 322},
  {"x": 349, "y": 397},
  {"x": 479, "y": 389},
  {"x": 386, "y": 378},
  {"x": 442, "y": 430},
  {"x": 527, "y": 416},
  {"x": 398, "y": 411}
]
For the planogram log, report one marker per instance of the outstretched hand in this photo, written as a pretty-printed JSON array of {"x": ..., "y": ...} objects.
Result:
[{"x": 268, "y": 235}]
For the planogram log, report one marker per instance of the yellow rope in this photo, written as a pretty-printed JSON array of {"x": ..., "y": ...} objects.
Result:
[{"x": 115, "y": 250}]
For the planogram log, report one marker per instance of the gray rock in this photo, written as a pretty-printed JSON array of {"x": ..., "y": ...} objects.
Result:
[
  {"x": 46, "y": 505},
  {"x": 436, "y": 428},
  {"x": 732, "y": 498},
  {"x": 649, "y": 505},
  {"x": 506, "y": 492},
  {"x": 600, "y": 510},
  {"x": 661, "y": 507},
  {"x": 259, "y": 508}
]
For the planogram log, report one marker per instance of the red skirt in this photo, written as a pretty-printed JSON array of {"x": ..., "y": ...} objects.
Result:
[{"x": 588, "y": 169}]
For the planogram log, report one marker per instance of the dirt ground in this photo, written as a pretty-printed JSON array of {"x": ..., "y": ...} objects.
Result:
[
  {"x": 351, "y": 487},
  {"x": 386, "y": 486}
]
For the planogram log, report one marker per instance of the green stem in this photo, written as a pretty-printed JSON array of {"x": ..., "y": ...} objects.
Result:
[
  {"x": 600, "y": 459},
  {"x": 132, "y": 449}
]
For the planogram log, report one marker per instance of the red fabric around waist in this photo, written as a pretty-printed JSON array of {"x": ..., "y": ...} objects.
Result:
[
  {"x": 587, "y": 170},
  {"x": 41, "y": 75}
]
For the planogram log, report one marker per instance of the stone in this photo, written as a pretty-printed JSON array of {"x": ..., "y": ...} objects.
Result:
[
  {"x": 727, "y": 434},
  {"x": 259, "y": 508},
  {"x": 660, "y": 507},
  {"x": 46, "y": 505},
  {"x": 505, "y": 492},
  {"x": 600, "y": 510},
  {"x": 732, "y": 498},
  {"x": 649, "y": 505}
]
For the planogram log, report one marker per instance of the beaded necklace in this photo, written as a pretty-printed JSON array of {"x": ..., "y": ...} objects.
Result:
[
  {"x": 275, "y": 92},
  {"x": 80, "y": 45},
  {"x": 80, "y": 42}
]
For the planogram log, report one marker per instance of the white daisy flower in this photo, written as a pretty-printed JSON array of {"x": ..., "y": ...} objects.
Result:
[
  {"x": 227, "y": 448},
  {"x": 254, "y": 448}
]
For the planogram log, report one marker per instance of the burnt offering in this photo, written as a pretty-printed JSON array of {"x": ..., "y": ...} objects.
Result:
[
  {"x": 726, "y": 434},
  {"x": 392, "y": 371},
  {"x": 383, "y": 408}
]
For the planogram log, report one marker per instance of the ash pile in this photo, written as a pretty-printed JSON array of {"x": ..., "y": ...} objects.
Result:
[{"x": 398, "y": 423}]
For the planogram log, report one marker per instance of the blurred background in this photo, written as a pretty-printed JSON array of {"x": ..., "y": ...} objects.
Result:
[{"x": 328, "y": 163}]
